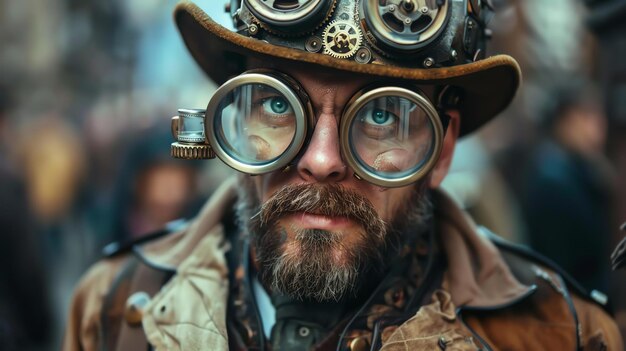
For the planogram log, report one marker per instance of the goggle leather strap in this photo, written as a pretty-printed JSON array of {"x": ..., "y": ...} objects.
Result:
[
  {"x": 449, "y": 97},
  {"x": 445, "y": 121}
]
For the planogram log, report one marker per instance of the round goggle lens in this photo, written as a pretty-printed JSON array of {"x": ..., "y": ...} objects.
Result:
[
  {"x": 254, "y": 123},
  {"x": 392, "y": 137}
]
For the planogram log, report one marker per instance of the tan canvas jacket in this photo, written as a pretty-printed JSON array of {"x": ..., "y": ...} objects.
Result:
[{"x": 492, "y": 298}]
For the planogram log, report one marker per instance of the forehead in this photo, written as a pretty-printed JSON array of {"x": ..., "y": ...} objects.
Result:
[{"x": 316, "y": 79}]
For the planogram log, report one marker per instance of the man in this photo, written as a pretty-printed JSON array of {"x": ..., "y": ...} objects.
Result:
[
  {"x": 568, "y": 187},
  {"x": 25, "y": 314},
  {"x": 341, "y": 117}
]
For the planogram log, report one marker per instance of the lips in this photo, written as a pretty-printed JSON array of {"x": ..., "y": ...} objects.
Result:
[
  {"x": 308, "y": 220},
  {"x": 320, "y": 206}
]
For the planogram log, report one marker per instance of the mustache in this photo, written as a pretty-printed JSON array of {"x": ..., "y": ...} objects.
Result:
[
  {"x": 313, "y": 274},
  {"x": 328, "y": 200}
]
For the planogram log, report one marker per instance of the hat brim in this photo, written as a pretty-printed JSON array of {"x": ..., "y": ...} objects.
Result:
[{"x": 489, "y": 84}]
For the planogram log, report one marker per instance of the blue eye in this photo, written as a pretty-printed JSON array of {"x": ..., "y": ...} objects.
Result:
[
  {"x": 379, "y": 117},
  {"x": 276, "y": 105}
]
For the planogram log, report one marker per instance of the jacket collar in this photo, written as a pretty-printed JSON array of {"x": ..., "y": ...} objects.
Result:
[
  {"x": 477, "y": 275},
  {"x": 169, "y": 252}
]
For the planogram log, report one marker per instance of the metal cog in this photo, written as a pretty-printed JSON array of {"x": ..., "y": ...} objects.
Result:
[
  {"x": 330, "y": 13},
  {"x": 192, "y": 151},
  {"x": 341, "y": 39}
]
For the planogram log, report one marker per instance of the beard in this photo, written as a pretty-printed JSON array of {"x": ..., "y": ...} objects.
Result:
[{"x": 322, "y": 265}]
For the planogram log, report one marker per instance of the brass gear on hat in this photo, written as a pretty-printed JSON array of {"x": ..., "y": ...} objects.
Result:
[
  {"x": 341, "y": 39},
  {"x": 192, "y": 151}
]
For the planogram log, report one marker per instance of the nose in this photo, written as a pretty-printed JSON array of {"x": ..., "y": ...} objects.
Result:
[{"x": 321, "y": 161}]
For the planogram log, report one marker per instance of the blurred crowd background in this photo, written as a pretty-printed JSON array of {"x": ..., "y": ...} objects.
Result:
[{"x": 87, "y": 89}]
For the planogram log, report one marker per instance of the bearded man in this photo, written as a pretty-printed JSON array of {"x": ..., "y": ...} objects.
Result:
[{"x": 341, "y": 117}]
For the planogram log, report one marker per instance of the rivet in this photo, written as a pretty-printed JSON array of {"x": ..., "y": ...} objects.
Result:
[
  {"x": 408, "y": 5},
  {"x": 443, "y": 342},
  {"x": 360, "y": 344},
  {"x": 135, "y": 305},
  {"x": 313, "y": 44},
  {"x": 304, "y": 332},
  {"x": 253, "y": 29},
  {"x": 424, "y": 9},
  {"x": 407, "y": 20},
  {"x": 392, "y": 8},
  {"x": 429, "y": 62},
  {"x": 363, "y": 55}
]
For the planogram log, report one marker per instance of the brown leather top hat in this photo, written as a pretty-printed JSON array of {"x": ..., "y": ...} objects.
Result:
[{"x": 438, "y": 42}]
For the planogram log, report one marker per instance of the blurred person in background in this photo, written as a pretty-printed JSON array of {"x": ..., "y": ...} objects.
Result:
[
  {"x": 25, "y": 314},
  {"x": 54, "y": 163},
  {"x": 152, "y": 187},
  {"x": 72, "y": 59},
  {"x": 568, "y": 185},
  {"x": 481, "y": 189}
]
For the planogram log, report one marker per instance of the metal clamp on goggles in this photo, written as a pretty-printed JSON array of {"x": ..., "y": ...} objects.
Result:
[{"x": 259, "y": 122}]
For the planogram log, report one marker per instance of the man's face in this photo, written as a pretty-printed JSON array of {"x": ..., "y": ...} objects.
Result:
[{"x": 316, "y": 229}]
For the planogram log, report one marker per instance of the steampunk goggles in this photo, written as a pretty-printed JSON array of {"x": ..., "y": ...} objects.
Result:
[{"x": 259, "y": 122}]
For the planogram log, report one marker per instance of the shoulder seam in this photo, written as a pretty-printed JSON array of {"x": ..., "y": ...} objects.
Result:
[{"x": 595, "y": 296}]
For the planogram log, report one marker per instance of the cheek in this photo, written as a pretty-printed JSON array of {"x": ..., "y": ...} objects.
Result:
[
  {"x": 257, "y": 185},
  {"x": 389, "y": 201},
  {"x": 267, "y": 184}
]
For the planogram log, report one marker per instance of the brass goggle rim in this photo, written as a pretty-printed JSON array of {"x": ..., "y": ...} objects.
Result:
[
  {"x": 305, "y": 117},
  {"x": 301, "y": 110},
  {"x": 360, "y": 100},
  {"x": 285, "y": 16}
]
